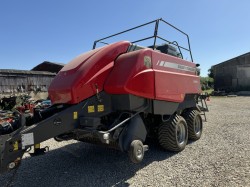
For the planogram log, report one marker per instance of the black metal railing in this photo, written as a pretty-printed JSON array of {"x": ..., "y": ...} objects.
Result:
[{"x": 155, "y": 36}]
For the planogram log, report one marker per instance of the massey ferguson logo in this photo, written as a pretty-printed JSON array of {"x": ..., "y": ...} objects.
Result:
[{"x": 175, "y": 66}]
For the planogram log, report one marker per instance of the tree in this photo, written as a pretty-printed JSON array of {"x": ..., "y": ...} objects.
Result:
[
  {"x": 207, "y": 83},
  {"x": 211, "y": 72}
]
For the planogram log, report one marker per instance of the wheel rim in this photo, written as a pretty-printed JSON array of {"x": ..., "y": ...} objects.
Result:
[
  {"x": 197, "y": 126},
  {"x": 181, "y": 133}
]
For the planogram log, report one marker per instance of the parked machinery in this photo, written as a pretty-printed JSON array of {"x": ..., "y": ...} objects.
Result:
[{"x": 117, "y": 95}]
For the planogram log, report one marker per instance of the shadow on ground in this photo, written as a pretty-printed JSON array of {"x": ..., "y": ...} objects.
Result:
[{"x": 81, "y": 164}]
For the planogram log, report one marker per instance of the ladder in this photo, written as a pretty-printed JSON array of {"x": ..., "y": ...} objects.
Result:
[{"x": 202, "y": 104}]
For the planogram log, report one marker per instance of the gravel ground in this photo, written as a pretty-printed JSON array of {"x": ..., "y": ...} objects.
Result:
[{"x": 220, "y": 158}]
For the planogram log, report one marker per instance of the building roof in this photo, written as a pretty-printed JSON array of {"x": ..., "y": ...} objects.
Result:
[
  {"x": 227, "y": 61},
  {"x": 49, "y": 67}
]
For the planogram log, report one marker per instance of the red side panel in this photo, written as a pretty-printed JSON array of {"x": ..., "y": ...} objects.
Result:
[
  {"x": 79, "y": 78},
  {"x": 131, "y": 76},
  {"x": 168, "y": 78},
  {"x": 174, "y": 77}
]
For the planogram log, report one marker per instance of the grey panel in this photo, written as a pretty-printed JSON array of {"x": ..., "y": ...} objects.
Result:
[
  {"x": 164, "y": 107},
  {"x": 128, "y": 102}
]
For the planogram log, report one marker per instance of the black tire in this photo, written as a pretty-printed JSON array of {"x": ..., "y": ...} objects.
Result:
[
  {"x": 56, "y": 138},
  {"x": 195, "y": 124},
  {"x": 173, "y": 134},
  {"x": 136, "y": 151}
]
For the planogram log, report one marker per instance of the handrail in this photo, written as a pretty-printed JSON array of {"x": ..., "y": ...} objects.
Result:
[
  {"x": 155, "y": 36},
  {"x": 122, "y": 32}
]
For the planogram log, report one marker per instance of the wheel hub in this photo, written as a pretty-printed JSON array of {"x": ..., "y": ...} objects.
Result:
[
  {"x": 139, "y": 152},
  {"x": 181, "y": 133},
  {"x": 197, "y": 126}
]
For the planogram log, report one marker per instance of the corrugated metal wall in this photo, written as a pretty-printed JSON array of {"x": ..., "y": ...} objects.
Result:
[{"x": 233, "y": 75}]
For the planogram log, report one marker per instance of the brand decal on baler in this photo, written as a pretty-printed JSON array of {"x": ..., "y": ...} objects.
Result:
[{"x": 175, "y": 66}]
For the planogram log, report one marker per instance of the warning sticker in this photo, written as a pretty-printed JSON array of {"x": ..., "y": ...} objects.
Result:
[
  {"x": 15, "y": 146},
  {"x": 27, "y": 139},
  {"x": 75, "y": 115},
  {"x": 91, "y": 109},
  {"x": 100, "y": 108}
]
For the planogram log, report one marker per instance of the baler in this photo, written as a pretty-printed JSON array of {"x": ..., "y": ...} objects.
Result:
[{"x": 116, "y": 95}]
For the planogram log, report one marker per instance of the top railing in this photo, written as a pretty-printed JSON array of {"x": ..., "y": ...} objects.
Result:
[{"x": 155, "y": 36}]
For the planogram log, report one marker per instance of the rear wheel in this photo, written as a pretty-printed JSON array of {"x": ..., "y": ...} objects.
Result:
[
  {"x": 173, "y": 134},
  {"x": 195, "y": 125}
]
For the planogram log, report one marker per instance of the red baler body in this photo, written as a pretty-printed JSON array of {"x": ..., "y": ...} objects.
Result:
[{"x": 116, "y": 71}]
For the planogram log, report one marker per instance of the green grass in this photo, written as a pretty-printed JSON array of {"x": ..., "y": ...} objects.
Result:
[{"x": 208, "y": 91}]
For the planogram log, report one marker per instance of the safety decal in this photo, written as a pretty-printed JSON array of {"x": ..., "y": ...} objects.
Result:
[
  {"x": 15, "y": 146},
  {"x": 91, "y": 109},
  {"x": 100, "y": 108},
  {"x": 147, "y": 61},
  {"x": 27, "y": 139},
  {"x": 75, "y": 115}
]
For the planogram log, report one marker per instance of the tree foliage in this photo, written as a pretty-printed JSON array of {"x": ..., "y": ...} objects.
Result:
[
  {"x": 211, "y": 73},
  {"x": 207, "y": 83}
]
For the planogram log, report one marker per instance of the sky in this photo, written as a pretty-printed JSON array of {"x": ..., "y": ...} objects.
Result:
[{"x": 59, "y": 30}]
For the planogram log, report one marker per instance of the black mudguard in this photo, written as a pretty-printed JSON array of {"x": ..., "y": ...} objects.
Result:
[{"x": 135, "y": 130}]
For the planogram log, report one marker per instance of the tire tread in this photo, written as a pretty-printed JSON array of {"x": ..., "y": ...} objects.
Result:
[
  {"x": 167, "y": 134},
  {"x": 190, "y": 116}
]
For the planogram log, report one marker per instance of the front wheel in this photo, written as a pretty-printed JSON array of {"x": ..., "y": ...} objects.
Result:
[
  {"x": 173, "y": 134},
  {"x": 136, "y": 151}
]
